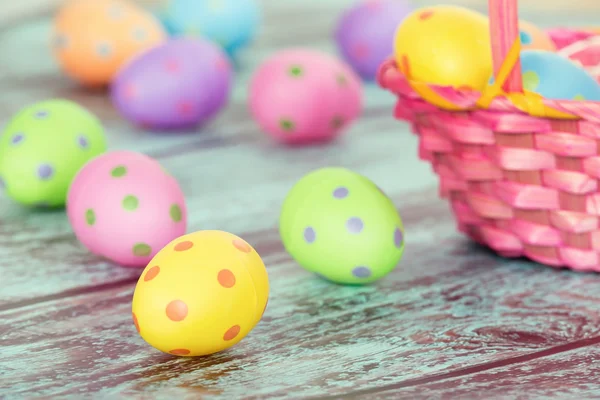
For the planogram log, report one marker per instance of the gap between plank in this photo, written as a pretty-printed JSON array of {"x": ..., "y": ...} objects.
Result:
[
  {"x": 79, "y": 291},
  {"x": 468, "y": 370}
]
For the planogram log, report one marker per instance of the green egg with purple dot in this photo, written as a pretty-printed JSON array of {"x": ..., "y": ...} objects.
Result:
[
  {"x": 340, "y": 225},
  {"x": 43, "y": 147}
]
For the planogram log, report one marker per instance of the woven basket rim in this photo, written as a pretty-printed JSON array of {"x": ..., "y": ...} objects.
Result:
[{"x": 390, "y": 77}]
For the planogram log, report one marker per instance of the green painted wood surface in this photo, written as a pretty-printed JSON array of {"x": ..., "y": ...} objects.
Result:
[{"x": 453, "y": 321}]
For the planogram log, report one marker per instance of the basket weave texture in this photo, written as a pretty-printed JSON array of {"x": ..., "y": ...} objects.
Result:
[{"x": 521, "y": 184}]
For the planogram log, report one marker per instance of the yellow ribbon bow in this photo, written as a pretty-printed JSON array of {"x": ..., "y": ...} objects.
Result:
[{"x": 529, "y": 102}]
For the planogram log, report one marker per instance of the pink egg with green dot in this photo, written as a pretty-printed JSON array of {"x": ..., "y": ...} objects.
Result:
[
  {"x": 43, "y": 147},
  {"x": 340, "y": 225},
  {"x": 301, "y": 96},
  {"x": 125, "y": 207}
]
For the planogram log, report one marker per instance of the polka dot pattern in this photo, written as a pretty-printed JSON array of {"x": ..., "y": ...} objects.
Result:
[
  {"x": 226, "y": 278},
  {"x": 354, "y": 225},
  {"x": 180, "y": 352},
  {"x": 104, "y": 50},
  {"x": 45, "y": 171},
  {"x": 119, "y": 172},
  {"x": 296, "y": 71},
  {"x": 90, "y": 217},
  {"x": 531, "y": 80},
  {"x": 183, "y": 246},
  {"x": 286, "y": 125},
  {"x": 175, "y": 213},
  {"x": 525, "y": 37},
  {"x": 139, "y": 34},
  {"x": 232, "y": 333},
  {"x": 83, "y": 142},
  {"x": 340, "y": 193},
  {"x": 142, "y": 250},
  {"x": 337, "y": 122},
  {"x": 130, "y": 203},
  {"x": 17, "y": 138},
  {"x": 135, "y": 322},
  {"x": 185, "y": 108},
  {"x": 177, "y": 310},
  {"x": 361, "y": 272},
  {"x": 41, "y": 114},
  {"x": 152, "y": 273},
  {"x": 220, "y": 296},
  {"x": 425, "y": 15},
  {"x": 357, "y": 228},
  {"x": 398, "y": 238},
  {"x": 309, "y": 235},
  {"x": 241, "y": 246}
]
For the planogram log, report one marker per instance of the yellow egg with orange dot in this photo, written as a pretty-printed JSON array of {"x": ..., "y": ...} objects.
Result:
[
  {"x": 446, "y": 46},
  {"x": 201, "y": 294},
  {"x": 93, "y": 39},
  {"x": 534, "y": 38}
]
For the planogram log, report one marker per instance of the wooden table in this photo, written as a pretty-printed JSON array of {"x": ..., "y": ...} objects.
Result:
[{"x": 453, "y": 321}]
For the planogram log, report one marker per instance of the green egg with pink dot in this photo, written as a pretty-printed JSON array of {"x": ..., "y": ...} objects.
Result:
[
  {"x": 43, "y": 147},
  {"x": 339, "y": 225}
]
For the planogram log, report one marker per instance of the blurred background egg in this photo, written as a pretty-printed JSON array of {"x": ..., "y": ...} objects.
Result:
[
  {"x": 94, "y": 38},
  {"x": 125, "y": 207},
  {"x": 179, "y": 84},
  {"x": 534, "y": 38},
  {"x": 340, "y": 225},
  {"x": 365, "y": 33},
  {"x": 43, "y": 147},
  {"x": 556, "y": 77},
  {"x": 445, "y": 45},
  {"x": 230, "y": 23},
  {"x": 301, "y": 96}
]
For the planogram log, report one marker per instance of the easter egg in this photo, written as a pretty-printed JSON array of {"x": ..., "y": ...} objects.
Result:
[
  {"x": 230, "y": 23},
  {"x": 533, "y": 38},
  {"x": 446, "y": 46},
  {"x": 201, "y": 294},
  {"x": 341, "y": 226},
  {"x": 125, "y": 207},
  {"x": 301, "y": 96},
  {"x": 556, "y": 77},
  {"x": 94, "y": 38},
  {"x": 43, "y": 147},
  {"x": 365, "y": 33},
  {"x": 182, "y": 83}
]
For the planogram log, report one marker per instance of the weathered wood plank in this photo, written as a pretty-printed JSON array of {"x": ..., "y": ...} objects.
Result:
[
  {"x": 570, "y": 373},
  {"x": 439, "y": 311}
]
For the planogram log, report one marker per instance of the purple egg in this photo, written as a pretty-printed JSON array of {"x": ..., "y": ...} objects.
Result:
[
  {"x": 180, "y": 84},
  {"x": 365, "y": 33}
]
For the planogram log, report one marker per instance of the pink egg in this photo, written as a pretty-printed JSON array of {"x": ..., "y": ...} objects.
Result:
[
  {"x": 302, "y": 96},
  {"x": 124, "y": 206}
]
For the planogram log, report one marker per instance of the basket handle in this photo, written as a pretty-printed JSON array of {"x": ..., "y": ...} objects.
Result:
[{"x": 504, "y": 31}]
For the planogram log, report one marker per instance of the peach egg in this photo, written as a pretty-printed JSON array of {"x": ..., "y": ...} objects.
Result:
[
  {"x": 534, "y": 38},
  {"x": 92, "y": 39}
]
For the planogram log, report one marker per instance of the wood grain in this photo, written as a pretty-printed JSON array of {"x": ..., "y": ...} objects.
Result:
[
  {"x": 452, "y": 321},
  {"x": 568, "y": 374},
  {"x": 439, "y": 311}
]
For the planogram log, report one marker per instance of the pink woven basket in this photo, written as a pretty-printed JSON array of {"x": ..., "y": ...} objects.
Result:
[{"x": 520, "y": 172}]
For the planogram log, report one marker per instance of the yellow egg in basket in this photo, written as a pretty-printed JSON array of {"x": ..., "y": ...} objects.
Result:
[
  {"x": 445, "y": 45},
  {"x": 201, "y": 294}
]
